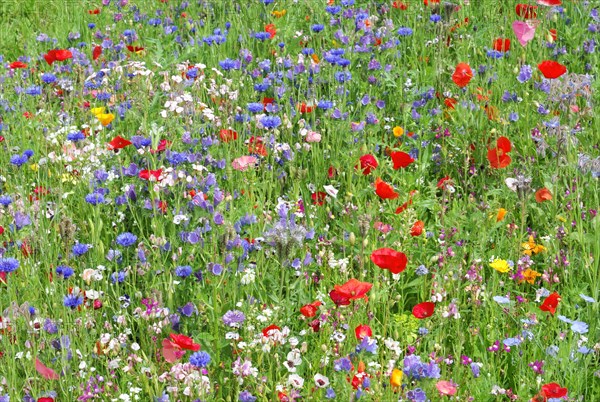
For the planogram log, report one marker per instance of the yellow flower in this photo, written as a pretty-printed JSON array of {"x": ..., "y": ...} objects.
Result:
[
  {"x": 500, "y": 266},
  {"x": 105, "y": 118},
  {"x": 531, "y": 248},
  {"x": 396, "y": 378},
  {"x": 398, "y": 131},
  {"x": 98, "y": 110},
  {"x": 35, "y": 167},
  {"x": 278, "y": 14},
  {"x": 529, "y": 276},
  {"x": 501, "y": 213}
]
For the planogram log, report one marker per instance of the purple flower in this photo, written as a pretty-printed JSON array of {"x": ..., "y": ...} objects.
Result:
[
  {"x": 233, "y": 318},
  {"x": 246, "y": 396},
  {"x": 342, "y": 364},
  {"x": 525, "y": 73}
]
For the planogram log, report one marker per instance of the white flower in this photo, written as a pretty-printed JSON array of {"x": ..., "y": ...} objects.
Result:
[
  {"x": 321, "y": 381},
  {"x": 296, "y": 381},
  {"x": 332, "y": 191}
]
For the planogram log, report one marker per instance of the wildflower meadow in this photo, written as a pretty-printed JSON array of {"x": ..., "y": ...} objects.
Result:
[{"x": 299, "y": 200}]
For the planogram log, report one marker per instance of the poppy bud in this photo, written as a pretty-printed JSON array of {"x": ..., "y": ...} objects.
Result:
[
  {"x": 365, "y": 242},
  {"x": 351, "y": 238}
]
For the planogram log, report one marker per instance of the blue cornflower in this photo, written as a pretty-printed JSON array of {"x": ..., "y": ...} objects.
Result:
[
  {"x": 80, "y": 249},
  {"x": 262, "y": 36},
  {"x": 94, "y": 198},
  {"x": 229, "y": 64},
  {"x": 325, "y": 104},
  {"x": 404, "y": 31},
  {"x": 18, "y": 160},
  {"x": 5, "y": 200},
  {"x": 255, "y": 107},
  {"x": 317, "y": 27},
  {"x": 126, "y": 239},
  {"x": 183, "y": 271},
  {"x": 435, "y": 18},
  {"x": 118, "y": 277},
  {"x": 64, "y": 271},
  {"x": 28, "y": 153},
  {"x": 75, "y": 136},
  {"x": 34, "y": 90},
  {"x": 270, "y": 121},
  {"x": 200, "y": 359},
  {"x": 48, "y": 78},
  {"x": 8, "y": 264},
  {"x": 72, "y": 301}
]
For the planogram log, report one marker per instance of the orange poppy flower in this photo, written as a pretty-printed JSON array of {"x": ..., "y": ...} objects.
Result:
[
  {"x": 543, "y": 194},
  {"x": 462, "y": 74},
  {"x": 384, "y": 190}
]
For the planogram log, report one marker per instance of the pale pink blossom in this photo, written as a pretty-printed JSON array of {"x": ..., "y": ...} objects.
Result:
[{"x": 243, "y": 163}]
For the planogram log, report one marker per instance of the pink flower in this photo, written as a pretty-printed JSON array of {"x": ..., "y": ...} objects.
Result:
[
  {"x": 382, "y": 227},
  {"x": 313, "y": 136},
  {"x": 243, "y": 163},
  {"x": 446, "y": 388}
]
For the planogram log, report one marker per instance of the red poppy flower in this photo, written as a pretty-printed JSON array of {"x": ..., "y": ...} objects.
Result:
[
  {"x": 553, "y": 34},
  {"x": 549, "y": 3},
  {"x": 184, "y": 342},
  {"x": 423, "y": 310},
  {"x": 462, "y": 74},
  {"x": 526, "y": 11},
  {"x": 401, "y": 159},
  {"x": 552, "y": 69},
  {"x": 387, "y": 258},
  {"x": 304, "y": 108},
  {"x": 408, "y": 203},
  {"x": 310, "y": 310},
  {"x": 399, "y": 5},
  {"x": 498, "y": 157},
  {"x": 417, "y": 228},
  {"x": 318, "y": 197},
  {"x": 1, "y": 230},
  {"x": 367, "y": 164},
  {"x": 17, "y": 64},
  {"x": 45, "y": 399},
  {"x": 550, "y": 303},
  {"x": 150, "y": 174},
  {"x": 228, "y": 135},
  {"x": 363, "y": 330},
  {"x": 331, "y": 172},
  {"x": 270, "y": 28},
  {"x": 134, "y": 49},
  {"x": 443, "y": 182},
  {"x": 267, "y": 331},
  {"x": 450, "y": 103},
  {"x": 95, "y": 11},
  {"x": 502, "y": 44},
  {"x": 256, "y": 146},
  {"x": 553, "y": 390},
  {"x": 351, "y": 290},
  {"x": 384, "y": 190},
  {"x": 543, "y": 194},
  {"x": 96, "y": 52},
  {"x": 162, "y": 145},
  {"x": 118, "y": 143}
]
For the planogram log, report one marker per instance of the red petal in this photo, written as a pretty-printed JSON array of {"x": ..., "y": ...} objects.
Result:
[
  {"x": 401, "y": 159},
  {"x": 552, "y": 69},
  {"x": 504, "y": 144},
  {"x": 423, "y": 310},
  {"x": 462, "y": 74},
  {"x": 543, "y": 194},
  {"x": 118, "y": 143},
  {"x": 387, "y": 258}
]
